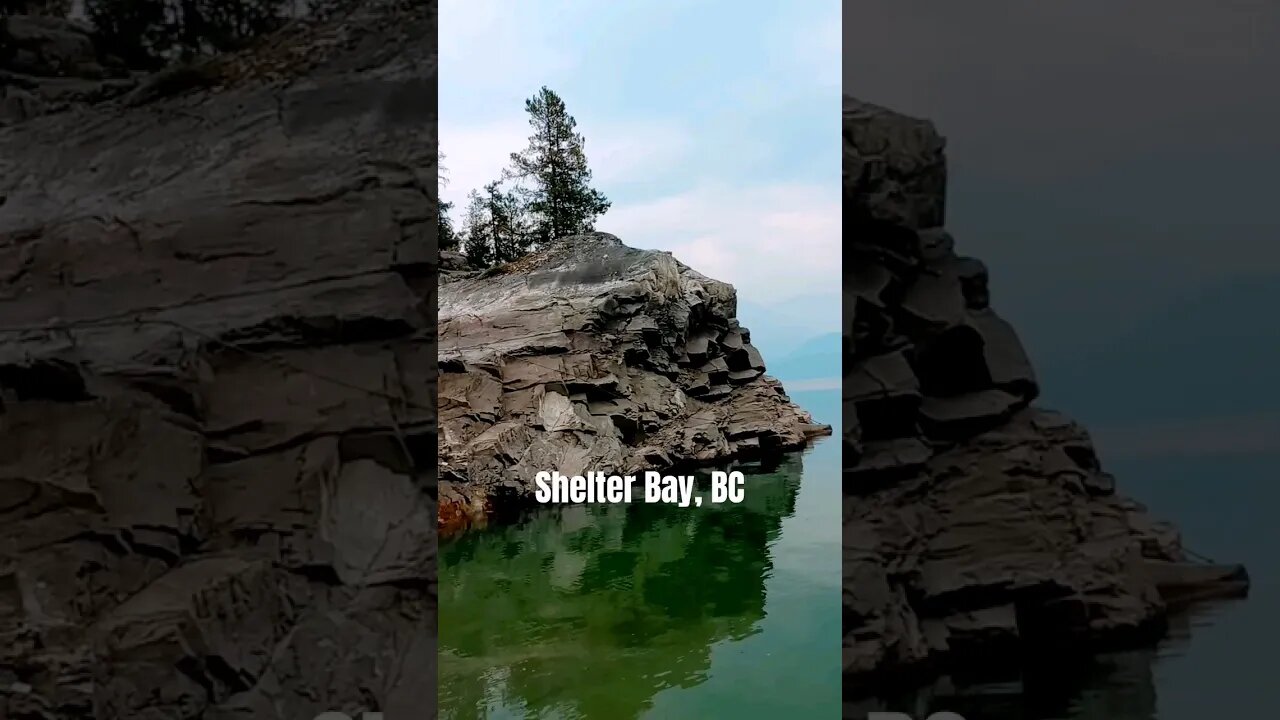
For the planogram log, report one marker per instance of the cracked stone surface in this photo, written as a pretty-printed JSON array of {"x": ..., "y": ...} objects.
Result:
[
  {"x": 591, "y": 355},
  {"x": 217, "y": 388},
  {"x": 976, "y": 525}
]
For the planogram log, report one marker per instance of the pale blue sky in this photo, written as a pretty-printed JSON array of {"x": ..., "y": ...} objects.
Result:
[{"x": 712, "y": 126}]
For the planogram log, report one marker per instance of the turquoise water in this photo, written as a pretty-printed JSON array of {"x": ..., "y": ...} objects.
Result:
[{"x": 652, "y": 611}]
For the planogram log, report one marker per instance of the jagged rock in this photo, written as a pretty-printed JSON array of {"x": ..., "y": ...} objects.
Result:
[
  {"x": 975, "y": 525},
  {"x": 217, "y": 390},
  {"x": 556, "y": 335},
  {"x": 452, "y": 260}
]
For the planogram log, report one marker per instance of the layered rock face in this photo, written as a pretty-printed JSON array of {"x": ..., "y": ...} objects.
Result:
[
  {"x": 976, "y": 525},
  {"x": 591, "y": 355},
  {"x": 217, "y": 386}
]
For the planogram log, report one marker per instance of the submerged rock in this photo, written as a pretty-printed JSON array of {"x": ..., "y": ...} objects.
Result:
[
  {"x": 591, "y": 355},
  {"x": 976, "y": 525}
]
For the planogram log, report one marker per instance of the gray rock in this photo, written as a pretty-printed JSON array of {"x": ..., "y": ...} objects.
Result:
[
  {"x": 894, "y": 172},
  {"x": 557, "y": 327},
  {"x": 217, "y": 388},
  {"x": 975, "y": 525}
]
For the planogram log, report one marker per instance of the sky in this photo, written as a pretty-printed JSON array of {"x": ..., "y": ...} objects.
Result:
[
  {"x": 713, "y": 130},
  {"x": 1114, "y": 164}
]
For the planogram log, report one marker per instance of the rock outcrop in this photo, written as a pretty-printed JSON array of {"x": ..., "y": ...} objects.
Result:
[
  {"x": 977, "y": 526},
  {"x": 217, "y": 401},
  {"x": 591, "y": 355}
]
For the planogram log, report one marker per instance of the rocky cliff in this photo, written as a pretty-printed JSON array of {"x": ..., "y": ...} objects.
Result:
[
  {"x": 978, "y": 527},
  {"x": 591, "y": 355},
  {"x": 217, "y": 368}
]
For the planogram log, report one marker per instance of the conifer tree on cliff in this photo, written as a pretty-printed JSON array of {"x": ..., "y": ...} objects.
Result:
[
  {"x": 494, "y": 229},
  {"x": 447, "y": 237},
  {"x": 555, "y": 179},
  {"x": 476, "y": 244},
  {"x": 148, "y": 34}
]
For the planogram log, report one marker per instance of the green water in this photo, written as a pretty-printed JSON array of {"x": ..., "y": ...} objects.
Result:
[{"x": 631, "y": 611}]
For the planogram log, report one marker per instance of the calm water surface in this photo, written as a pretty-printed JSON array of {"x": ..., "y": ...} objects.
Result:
[{"x": 617, "y": 612}]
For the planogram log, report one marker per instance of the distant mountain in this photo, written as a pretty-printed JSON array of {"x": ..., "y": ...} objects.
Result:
[
  {"x": 1215, "y": 352},
  {"x": 817, "y": 358},
  {"x": 778, "y": 328}
]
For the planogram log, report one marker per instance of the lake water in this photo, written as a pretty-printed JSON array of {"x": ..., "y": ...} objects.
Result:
[
  {"x": 1218, "y": 661},
  {"x": 652, "y": 611}
]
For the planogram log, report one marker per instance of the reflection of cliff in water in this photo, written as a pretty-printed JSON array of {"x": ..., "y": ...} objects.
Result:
[
  {"x": 1116, "y": 686},
  {"x": 591, "y": 610}
]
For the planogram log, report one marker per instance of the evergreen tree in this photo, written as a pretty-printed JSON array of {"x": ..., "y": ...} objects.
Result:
[
  {"x": 477, "y": 245},
  {"x": 138, "y": 32},
  {"x": 511, "y": 232},
  {"x": 495, "y": 229},
  {"x": 147, "y": 34},
  {"x": 446, "y": 238},
  {"x": 323, "y": 9},
  {"x": 213, "y": 26},
  {"x": 561, "y": 201}
]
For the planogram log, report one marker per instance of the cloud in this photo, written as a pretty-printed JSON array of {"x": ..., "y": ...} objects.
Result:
[
  {"x": 489, "y": 48},
  {"x": 629, "y": 152},
  {"x": 771, "y": 242},
  {"x": 814, "y": 47},
  {"x": 476, "y": 155}
]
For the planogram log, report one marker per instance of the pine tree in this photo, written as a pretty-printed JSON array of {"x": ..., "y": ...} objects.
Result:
[
  {"x": 223, "y": 25},
  {"x": 561, "y": 201},
  {"x": 511, "y": 232},
  {"x": 135, "y": 31},
  {"x": 147, "y": 34},
  {"x": 496, "y": 231},
  {"x": 477, "y": 243},
  {"x": 447, "y": 237}
]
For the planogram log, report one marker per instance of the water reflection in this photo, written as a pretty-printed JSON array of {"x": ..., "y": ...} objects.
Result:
[
  {"x": 1111, "y": 686},
  {"x": 590, "y": 611}
]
